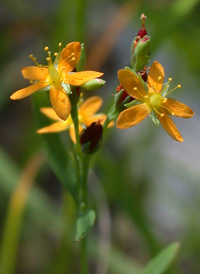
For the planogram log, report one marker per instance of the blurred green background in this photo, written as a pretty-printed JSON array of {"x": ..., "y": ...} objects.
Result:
[{"x": 144, "y": 185}]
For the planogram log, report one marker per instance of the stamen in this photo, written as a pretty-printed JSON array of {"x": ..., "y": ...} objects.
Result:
[
  {"x": 178, "y": 86},
  {"x": 155, "y": 88},
  {"x": 159, "y": 113},
  {"x": 31, "y": 82},
  {"x": 34, "y": 60},
  {"x": 46, "y": 48},
  {"x": 60, "y": 45},
  {"x": 170, "y": 79},
  {"x": 136, "y": 89},
  {"x": 55, "y": 54},
  {"x": 170, "y": 112}
]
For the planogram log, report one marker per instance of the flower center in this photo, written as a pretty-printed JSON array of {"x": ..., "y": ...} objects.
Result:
[
  {"x": 54, "y": 74},
  {"x": 155, "y": 100}
]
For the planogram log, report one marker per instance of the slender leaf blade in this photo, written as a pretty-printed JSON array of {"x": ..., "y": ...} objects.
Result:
[{"x": 161, "y": 262}]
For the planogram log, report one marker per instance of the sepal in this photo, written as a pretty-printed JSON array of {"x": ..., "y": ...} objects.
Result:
[
  {"x": 154, "y": 119},
  {"x": 67, "y": 88}
]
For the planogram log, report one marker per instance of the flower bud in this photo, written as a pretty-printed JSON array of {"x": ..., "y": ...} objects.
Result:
[
  {"x": 140, "y": 48},
  {"x": 143, "y": 73},
  {"x": 91, "y": 137},
  {"x": 124, "y": 94},
  {"x": 93, "y": 84}
]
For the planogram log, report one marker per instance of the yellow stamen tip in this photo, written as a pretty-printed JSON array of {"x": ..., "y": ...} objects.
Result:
[
  {"x": 73, "y": 59},
  {"x": 164, "y": 100},
  {"x": 172, "y": 113},
  {"x": 146, "y": 96},
  {"x": 48, "y": 58},
  {"x": 170, "y": 79},
  {"x": 31, "y": 56},
  {"x": 31, "y": 81},
  {"x": 46, "y": 48},
  {"x": 162, "y": 114},
  {"x": 55, "y": 54},
  {"x": 60, "y": 44},
  {"x": 179, "y": 86},
  {"x": 159, "y": 78},
  {"x": 135, "y": 88}
]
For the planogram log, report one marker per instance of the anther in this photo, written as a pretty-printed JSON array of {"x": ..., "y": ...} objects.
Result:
[
  {"x": 55, "y": 54},
  {"x": 164, "y": 100},
  {"x": 146, "y": 96},
  {"x": 162, "y": 114},
  {"x": 48, "y": 58},
  {"x": 170, "y": 79},
  {"x": 73, "y": 59},
  {"x": 159, "y": 78},
  {"x": 135, "y": 88},
  {"x": 46, "y": 48},
  {"x": 31, "y": 56},
  {"x": 31, "y": 81},
  {"x": 60, "y": 44},
  {"x": 178, "y": 86},
  {"x": 172, "y": 113}
]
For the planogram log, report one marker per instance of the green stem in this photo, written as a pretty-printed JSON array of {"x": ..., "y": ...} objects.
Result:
[
  {"x": 80, "y": 19},
  {"x": 84, "y": 264},
  {"x": 83, "y": 208},
  {"x": 82, "y": 162}
]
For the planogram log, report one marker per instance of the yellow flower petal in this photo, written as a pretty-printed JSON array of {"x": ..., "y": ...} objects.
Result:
[
  {"x": 72, "y": 132},
  {"x": 91, "y": 105},
  {"x": 60, "y": 103},
  {"x": 88, "y": 120},
  {"x": 132, "y": 116},
  {"x": 25, "y": 92},
  {"x": 50, "y": 113},
  {"x": 156, "y": 76},
  {"x": 79, "y": 78},
  {"x": 35, "y": 73},
  {"x": 69, "y": 57},
  {"x": 131, "y": 83},
  {"x": 179, "y": 109},
  {"x": 170, "y": 127},
  {"x": 56, "y": 127}
]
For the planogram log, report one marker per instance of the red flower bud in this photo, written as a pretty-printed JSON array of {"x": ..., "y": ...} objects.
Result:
[
  {"x": 92, "y": 135},
  {"x": 143, "y": 73},
  {"x": 124, "y": 94}
]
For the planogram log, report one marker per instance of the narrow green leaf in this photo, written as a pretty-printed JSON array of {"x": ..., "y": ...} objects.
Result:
[
  {"x": 161, "y": 262},
  {"x": 58, "y": 157},
  {"x": 84, "y": 223}
]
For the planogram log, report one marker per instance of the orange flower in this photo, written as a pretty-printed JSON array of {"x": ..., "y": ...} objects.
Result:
[
  {"x": 86, "y": 116},
  {"x": 153, "y": 100},
  {"x": 57, "y": 77}
]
